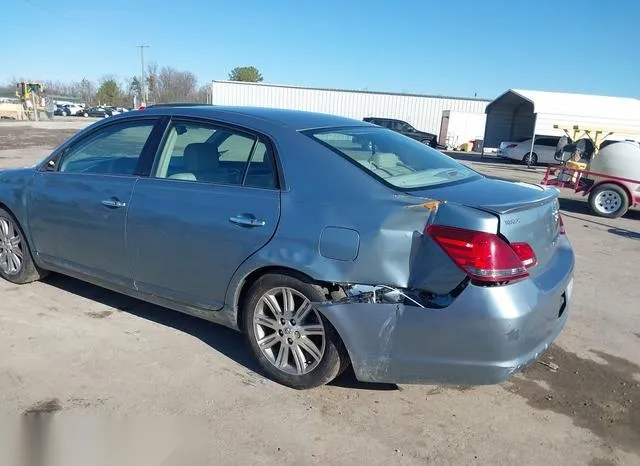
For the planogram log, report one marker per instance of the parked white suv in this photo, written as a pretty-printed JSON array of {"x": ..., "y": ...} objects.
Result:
[{"x": 543, "y": 150}]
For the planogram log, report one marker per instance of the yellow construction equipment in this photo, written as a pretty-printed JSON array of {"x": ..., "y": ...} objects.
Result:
[{"x": 30, "y": 95}]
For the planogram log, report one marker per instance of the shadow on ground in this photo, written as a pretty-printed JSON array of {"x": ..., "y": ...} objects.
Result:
[
  {"x": 225, "y": 340},
  {"x": 601, "y": 397}
]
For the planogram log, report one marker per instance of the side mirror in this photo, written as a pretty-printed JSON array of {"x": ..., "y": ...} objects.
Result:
[{"x": 51, "y": 165}]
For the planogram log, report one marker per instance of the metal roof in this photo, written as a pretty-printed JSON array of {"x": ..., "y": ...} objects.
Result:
[
  {"x": 526, "y": 111},
  {"x": 579, "y": 105}
]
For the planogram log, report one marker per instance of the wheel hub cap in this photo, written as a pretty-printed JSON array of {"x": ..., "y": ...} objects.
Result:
[
  {"x": 289, "y": 331},
  {"x": 608, "y": 201}
]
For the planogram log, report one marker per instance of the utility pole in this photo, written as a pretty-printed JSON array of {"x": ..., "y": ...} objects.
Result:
[{"x": 143, "y": 83}]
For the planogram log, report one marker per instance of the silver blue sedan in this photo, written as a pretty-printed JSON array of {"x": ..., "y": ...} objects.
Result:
[{"x": 328, "y": 241}]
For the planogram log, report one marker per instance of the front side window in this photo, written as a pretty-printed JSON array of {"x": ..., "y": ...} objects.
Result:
[
  {"x": 402, "y": 126},
  {"x": 203, "y": 152},
  {"x": 113, "y": 150},
  {"x": 392, "y": 157}
]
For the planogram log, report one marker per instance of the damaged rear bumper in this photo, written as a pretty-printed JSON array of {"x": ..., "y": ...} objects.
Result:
[{"x": 484, "y": 337}]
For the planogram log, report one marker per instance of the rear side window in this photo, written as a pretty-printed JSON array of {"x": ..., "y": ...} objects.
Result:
[
  {"x": 203, "y": 152},
  {"x": 393, "y": 158},
  {"x": 261, "y": 172},
  {"x": 549, "y": 142}
]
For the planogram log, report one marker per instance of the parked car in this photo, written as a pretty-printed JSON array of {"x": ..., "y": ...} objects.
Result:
[
  {"x": 62, "y": 110},
  {"x": 393, "y": 258},
  {"x": 406, "y": 129},
  {"x": 73, "y": 109},
  {"x": 99, "y": 112},
  {"x": 544, "y": 150}
]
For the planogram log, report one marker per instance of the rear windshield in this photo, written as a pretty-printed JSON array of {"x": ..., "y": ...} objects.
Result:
[{"x": 393, "y": 158}]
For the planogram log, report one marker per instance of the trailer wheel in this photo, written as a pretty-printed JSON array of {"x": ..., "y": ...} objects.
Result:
[{"x": 608, "y": 200}]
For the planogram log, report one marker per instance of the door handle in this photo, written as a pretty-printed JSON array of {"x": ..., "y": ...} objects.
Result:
[
  {"x": 113, "y": 203},
  {"x": 247, "y": 221}
]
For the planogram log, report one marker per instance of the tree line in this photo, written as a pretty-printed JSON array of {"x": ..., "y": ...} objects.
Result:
[{"x": 163, "y": 84}]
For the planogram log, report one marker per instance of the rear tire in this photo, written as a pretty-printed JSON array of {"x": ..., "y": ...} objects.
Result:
[
  {"x": 301, "y": 354},
  {"x": 16, "y": 262},
  {"x": 608, "y": 200}
]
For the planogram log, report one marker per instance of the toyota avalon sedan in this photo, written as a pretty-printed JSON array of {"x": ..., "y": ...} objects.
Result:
[{"x": 325, "y": 252}]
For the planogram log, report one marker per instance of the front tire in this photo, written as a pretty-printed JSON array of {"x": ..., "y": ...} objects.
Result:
[
  {"x": 608, "y": 200},
  {"x": 530, "y": 159},
  {"x": 16, "y": 262},
  {"x": 293, "y": 342}
]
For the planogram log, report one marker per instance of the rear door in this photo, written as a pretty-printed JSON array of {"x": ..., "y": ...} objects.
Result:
[{"x": 212, "y": 201}]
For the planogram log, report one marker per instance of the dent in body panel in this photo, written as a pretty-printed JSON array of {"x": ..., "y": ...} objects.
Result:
[
  {"x": 389, "y": 236},
  {"x": 484, "y": 336},
  {"x": 393, "y": 249}
]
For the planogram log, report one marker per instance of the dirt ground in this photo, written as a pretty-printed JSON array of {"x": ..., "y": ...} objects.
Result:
[{"x": 187, "y": 387}]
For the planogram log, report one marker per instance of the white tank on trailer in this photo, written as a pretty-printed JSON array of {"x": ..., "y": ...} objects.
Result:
[{"x": 621, "y": 159}]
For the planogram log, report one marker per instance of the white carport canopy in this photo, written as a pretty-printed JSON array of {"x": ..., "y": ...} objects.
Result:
[{"x": 518, "y": 114}]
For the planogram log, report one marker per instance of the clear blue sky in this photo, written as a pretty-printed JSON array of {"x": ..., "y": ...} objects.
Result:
[{"x": 450, "y": 47}]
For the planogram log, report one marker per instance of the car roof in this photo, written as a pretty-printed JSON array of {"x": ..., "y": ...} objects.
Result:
[{"x": 293, "y": 119}]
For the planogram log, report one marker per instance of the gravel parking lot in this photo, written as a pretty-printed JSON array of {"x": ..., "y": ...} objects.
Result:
[{"x": 82, "y": 352}]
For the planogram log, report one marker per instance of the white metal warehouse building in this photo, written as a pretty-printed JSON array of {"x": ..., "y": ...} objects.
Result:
[
  {"x": 518, "y": 114},
  {"x": 424, "y": 112}
]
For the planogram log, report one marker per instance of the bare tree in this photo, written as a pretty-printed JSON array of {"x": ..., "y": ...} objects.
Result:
[
  {"x": 152, "y": 81},
  {"x": 171, "y": 85},
  {"x": 202, "y": 95}
]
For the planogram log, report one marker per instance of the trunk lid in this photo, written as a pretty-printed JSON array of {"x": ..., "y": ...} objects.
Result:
[{"x": 527, "y": 213}]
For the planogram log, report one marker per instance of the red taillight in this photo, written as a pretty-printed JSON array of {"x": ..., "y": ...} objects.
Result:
[
  {"x": 561, "y": 225},
  {"x": 525, "y": 254},
  {"x": 511, "y": 146},
  {"x": 484, "y": 256}
]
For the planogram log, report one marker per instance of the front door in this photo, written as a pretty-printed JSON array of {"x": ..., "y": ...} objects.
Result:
[
  {"x": 77, "y": 207},
  {"x": 212, "y": 201}
]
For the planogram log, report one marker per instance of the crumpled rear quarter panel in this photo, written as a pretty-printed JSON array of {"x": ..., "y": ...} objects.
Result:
[{"x": 485, "y": 336}]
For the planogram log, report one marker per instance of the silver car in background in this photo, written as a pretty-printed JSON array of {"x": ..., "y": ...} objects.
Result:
[
  {"x": 326, "y": 252},
  {"x": 544, "y": 150}
]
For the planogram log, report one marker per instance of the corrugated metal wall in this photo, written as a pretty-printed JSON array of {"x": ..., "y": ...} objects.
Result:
[
  {"x": 423, "y": 112},
  {"x": 523, "y": 122},
  {"x": 498, "y": 126}
]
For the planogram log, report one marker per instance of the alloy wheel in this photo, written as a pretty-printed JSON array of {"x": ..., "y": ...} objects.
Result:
[
  {"x": 11, "y": 254},
  {"x": 289, "y": 331}
]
